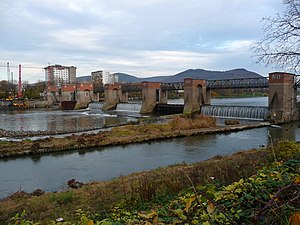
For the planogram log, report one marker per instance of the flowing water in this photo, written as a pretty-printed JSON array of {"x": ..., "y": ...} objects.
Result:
[
  {"x": 246, "y": 112},
  {"x": 133, "y": 107},
  {"x": 51, "y": 172}
]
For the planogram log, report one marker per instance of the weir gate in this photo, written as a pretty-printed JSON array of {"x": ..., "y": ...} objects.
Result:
[{"x": 282, "y": 102}]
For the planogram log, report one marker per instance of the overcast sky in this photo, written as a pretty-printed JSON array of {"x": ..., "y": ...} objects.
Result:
[{"x": 138, "y": 37}]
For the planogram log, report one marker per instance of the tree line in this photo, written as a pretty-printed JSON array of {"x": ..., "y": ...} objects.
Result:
[{"x": 30, "y": 91}]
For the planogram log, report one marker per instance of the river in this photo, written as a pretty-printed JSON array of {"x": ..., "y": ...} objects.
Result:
[{"x": 51, "y": 172}]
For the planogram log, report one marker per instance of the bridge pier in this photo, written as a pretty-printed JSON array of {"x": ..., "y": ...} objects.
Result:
[
  {"x": 282, "y": 97},
  {"x": 113, "y": 96},
  {"x": 152, "y": 94},
  {"x": 85, "y": 95},
  {"x": 195, "y": 95},
  {"x": 52, "y": 95}
]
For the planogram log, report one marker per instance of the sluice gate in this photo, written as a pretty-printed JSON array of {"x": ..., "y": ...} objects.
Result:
[{"x": 166, "y": 109}]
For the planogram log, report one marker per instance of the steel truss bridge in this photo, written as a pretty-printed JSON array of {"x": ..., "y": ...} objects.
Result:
[
  {"x": 262, "y": 82},
  {"x": 224, "y": 84}
]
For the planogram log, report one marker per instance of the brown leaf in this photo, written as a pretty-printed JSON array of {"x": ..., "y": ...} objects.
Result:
[
  {"x": 297, "y": 180},
  {"x": 210, "y": 207},
  {"x": 295, "y": 219}
]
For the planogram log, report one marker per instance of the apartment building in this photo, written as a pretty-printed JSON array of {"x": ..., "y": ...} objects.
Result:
[
  {"x": 58, "y": 74},
  {"x": 103, "y": 77}
]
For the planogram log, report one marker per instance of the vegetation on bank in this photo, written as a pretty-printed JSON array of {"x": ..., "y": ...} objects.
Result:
[
  {"x": 256, "y": 186},
  {"x": 178, "y": 126}
]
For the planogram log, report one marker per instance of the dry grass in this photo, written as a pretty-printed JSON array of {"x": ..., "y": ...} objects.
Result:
[
  {"x": 198, "y": 122},
  {"x": 175, "y": 124},
  {"x": 134, "y": 189}
]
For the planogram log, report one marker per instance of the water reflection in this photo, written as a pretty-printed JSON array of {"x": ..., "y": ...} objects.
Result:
[
  {"x": 288, "y": 131},
  {"x": 55, "y": 120}
]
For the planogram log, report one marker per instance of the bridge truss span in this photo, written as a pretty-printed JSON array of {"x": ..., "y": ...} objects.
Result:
[
  {"x": 262, "y": 82},
  {"x": 172, "y": 86},
  {"x": 238, "y": 83},
  {"x": 297, "y": 81}
]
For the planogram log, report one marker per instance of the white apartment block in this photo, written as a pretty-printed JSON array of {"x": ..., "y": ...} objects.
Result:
[
  {"x": 103, "y": 77},
  {"x": 58, "y": 74}
]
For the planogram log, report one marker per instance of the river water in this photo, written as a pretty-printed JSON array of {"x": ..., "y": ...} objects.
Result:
[{"x": 51, "y": 172}]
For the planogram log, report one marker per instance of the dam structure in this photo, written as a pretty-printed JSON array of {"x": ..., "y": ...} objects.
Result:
[{"x": 282, "y": 100}]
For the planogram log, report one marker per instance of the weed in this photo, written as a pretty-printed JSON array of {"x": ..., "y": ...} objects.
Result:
[
  {"x": 286, "y": 149},
  {"x": 63, "y": 197}
]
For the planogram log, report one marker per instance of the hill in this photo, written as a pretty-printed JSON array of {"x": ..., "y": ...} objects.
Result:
[
  {"x": 212, "y": 75},
  {"x": 126, "y": 78},
  {"x": 83, "y": 79},
  {"x": 179, "y": 77}
]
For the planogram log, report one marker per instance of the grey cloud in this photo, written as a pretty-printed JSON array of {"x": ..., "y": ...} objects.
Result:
[{"x": 133, "y": 36}]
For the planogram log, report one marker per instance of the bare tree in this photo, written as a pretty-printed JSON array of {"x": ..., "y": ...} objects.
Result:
[{"x": 281, "y": 43}]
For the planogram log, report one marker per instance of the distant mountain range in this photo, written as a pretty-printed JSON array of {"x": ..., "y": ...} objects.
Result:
[{"x": 179, "y": 77}]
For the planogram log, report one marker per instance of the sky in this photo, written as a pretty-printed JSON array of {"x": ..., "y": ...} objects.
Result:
[{"x": 138, "y": 37}]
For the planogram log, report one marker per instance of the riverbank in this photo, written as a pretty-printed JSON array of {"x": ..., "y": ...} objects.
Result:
[
  {"x": 153, "y": 195},
  {"x": 123, "y": 135}
]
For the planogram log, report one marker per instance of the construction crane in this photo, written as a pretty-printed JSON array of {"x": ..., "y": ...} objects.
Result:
[
  {"x": 20, "y": 82},
  {"x": 8, "y": 66}
]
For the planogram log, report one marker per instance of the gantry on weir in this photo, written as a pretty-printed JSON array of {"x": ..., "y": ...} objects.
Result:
[{"x": 282, "y": 102}]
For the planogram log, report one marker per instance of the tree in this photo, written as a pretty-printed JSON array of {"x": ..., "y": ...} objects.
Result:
[
  {"x": 4, "y": 91},
  {"x": 33, "y": 91},
  {"x": 281, "y": 43}
]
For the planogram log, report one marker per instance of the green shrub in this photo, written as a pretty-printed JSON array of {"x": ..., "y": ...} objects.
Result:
[{"x": 285, "y": 150}]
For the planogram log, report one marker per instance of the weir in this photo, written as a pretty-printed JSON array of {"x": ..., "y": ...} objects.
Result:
[
  {"x": 96, "y": 105},
  {"x": 247, "y": 112},
  {"x": 134, "y": 107},
  {"x": 282, "y": 107}
]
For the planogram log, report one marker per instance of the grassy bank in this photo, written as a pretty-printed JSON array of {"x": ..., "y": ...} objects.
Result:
[
  {"x": 180, "y": 194},
  {"x": 178, "y": 126}
]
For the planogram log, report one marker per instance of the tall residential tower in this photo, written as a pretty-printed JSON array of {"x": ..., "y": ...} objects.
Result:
[
  {"x": 103, "y": 77},
  {"x": 58, "y": 74}
]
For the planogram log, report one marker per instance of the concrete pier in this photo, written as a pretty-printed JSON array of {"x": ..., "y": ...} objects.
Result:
[
  {"x": 195, "y": 95},
  {"x": 82, "y": 94},
  {"x": 282, "y": 97},
  {"x": 85, "y": 95},
  {"x": 113, "y": 96},
  {"x": 151, "y": 95}
]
